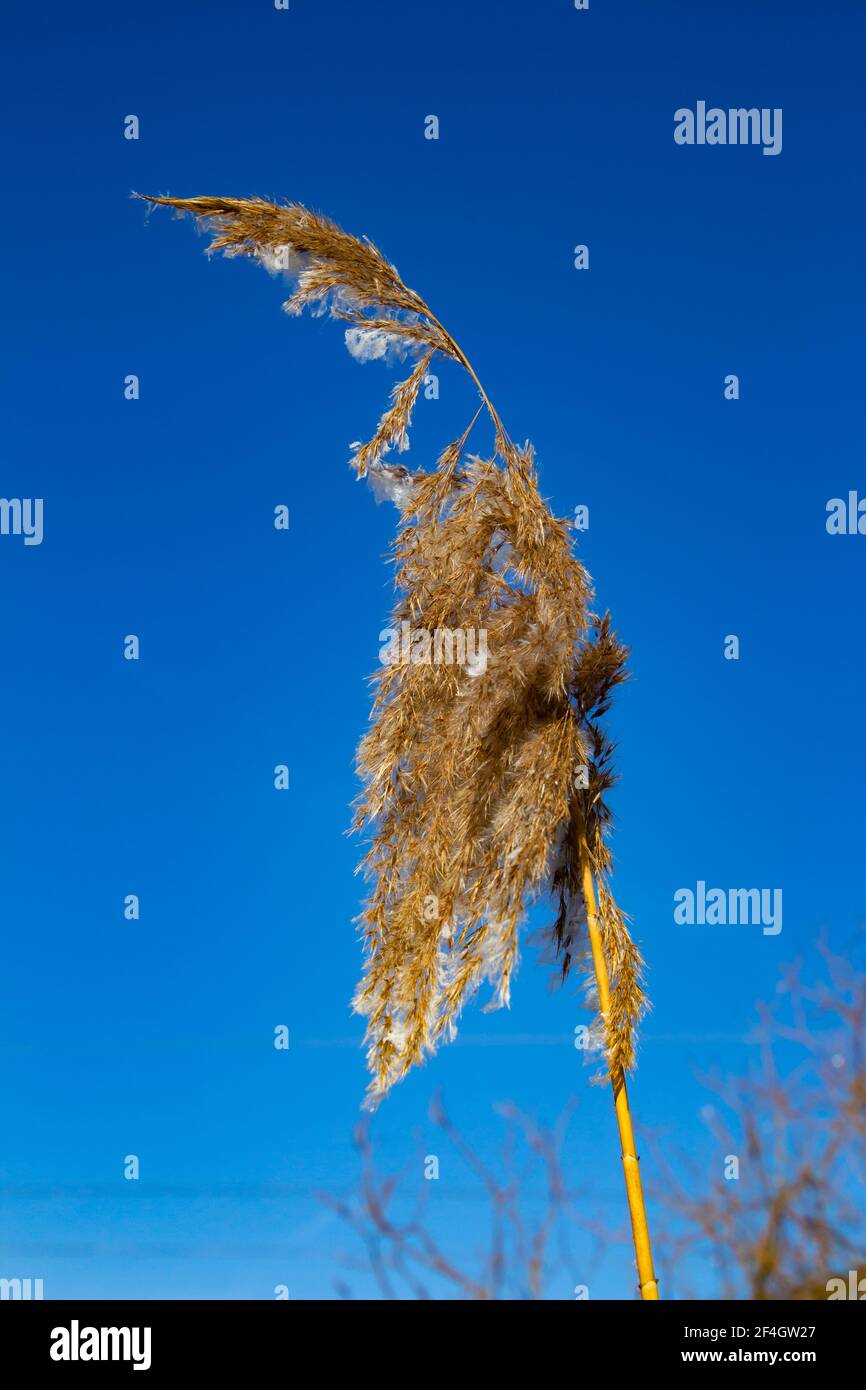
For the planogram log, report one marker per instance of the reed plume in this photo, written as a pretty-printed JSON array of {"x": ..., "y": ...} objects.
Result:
[{"x": 484, "y": 781}]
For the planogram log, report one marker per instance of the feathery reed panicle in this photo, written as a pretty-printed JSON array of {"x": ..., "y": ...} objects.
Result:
[
  {"x": 486, "y": 766},
  {"x": 468, "y": 769}
]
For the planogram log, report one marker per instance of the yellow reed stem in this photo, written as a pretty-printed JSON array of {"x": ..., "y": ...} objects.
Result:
[{"x": 649, "y": 1289}]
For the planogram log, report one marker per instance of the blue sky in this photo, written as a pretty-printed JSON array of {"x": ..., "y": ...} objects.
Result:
[{"x": 707, "y": 517}]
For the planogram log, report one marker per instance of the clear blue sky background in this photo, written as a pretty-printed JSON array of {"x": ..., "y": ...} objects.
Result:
[{"x": 156, "y": 778}]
